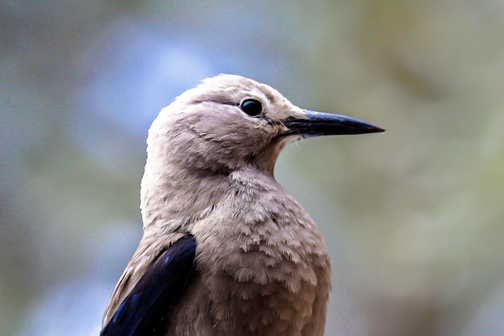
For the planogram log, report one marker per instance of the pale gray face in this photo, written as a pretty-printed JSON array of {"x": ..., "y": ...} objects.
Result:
[{"x": 230, "y": 121}]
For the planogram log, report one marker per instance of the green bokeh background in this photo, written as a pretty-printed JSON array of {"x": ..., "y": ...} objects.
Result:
[{"x": 413, "y": 217}]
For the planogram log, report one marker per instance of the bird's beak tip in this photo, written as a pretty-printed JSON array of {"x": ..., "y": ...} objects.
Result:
[{"x": 376, "y": 129}]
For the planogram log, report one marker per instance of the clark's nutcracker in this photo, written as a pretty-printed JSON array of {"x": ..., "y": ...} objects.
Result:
[{"x": 226, "y": 251}]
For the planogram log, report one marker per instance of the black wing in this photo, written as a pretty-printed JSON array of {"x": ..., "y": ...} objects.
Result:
[{"x": 155, "y": 293}]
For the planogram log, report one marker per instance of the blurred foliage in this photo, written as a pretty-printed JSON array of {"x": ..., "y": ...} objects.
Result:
[{"x": 413, "y": 217}]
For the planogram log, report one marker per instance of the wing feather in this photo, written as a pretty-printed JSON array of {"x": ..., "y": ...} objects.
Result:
[{"x": 155, "y": 293}]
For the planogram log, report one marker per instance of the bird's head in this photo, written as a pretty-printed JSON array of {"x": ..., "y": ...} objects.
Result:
[{"x": 229, "y": 122}]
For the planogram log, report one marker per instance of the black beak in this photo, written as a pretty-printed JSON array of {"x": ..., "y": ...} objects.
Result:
[{"x": 319, "y": 124}]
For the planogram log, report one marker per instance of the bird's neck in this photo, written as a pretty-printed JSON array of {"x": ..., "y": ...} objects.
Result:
[{"x": 171, "y": 194}]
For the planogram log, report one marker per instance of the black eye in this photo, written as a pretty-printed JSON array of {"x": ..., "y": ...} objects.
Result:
[{"x": 252, "y": 107}]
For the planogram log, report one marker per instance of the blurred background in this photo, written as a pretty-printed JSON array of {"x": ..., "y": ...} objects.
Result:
[{"x": 413, "y": 218}]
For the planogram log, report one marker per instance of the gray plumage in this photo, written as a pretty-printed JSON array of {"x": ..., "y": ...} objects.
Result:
[{"x": 261, "y": 265}]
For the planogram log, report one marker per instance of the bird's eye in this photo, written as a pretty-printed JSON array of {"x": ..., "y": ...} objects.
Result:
[{"x": 252, "y": 107}]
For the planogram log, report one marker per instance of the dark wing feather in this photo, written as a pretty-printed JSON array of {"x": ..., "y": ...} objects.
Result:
[{"x": 155, "y": 293}]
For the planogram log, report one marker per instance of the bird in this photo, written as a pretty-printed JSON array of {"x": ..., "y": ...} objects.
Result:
[{"x": 226, "y": 250}]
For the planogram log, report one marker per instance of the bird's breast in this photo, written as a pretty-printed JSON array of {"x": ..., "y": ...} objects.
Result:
[{"x": 261, "y": 277}]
